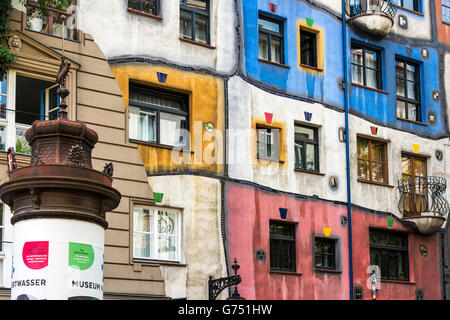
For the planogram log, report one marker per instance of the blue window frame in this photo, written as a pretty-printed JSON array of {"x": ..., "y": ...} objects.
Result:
[{"x": 446, "y": 11}]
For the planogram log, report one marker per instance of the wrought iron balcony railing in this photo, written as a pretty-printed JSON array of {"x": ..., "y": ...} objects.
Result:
[
  {"x": 367, "y": 7},
  {"x": 423, "y": 196}
]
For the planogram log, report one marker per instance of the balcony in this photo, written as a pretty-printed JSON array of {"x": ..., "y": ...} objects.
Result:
[
  {"x": 423, "y": 202},
  {"x": 374, "y": 17}
]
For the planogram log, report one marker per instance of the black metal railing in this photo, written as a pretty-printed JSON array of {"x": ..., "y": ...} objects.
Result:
[
  {"x": 366, "y": 7},
  {"x": 423, "y": 194}
]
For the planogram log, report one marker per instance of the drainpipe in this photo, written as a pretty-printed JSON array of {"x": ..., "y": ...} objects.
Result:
[{"x": 347, "y": 149}]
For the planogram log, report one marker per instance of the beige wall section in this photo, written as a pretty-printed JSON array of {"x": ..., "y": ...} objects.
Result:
[
  {"x": 99, "y": 103},
  {"x": 200, "y": 200}
]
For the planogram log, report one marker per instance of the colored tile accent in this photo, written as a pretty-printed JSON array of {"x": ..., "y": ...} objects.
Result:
[
  {"x": 374, "y": 130},
  {"x": 416, "y": 147},
  {"x": 390, "y": 222},
  {"x": 283, "y": 213},
  {"x": 162, "y": 77},
  {"x": 158, "y": 197},
  {"x": 269, "y": 117},
  {"x": 273, "y": 7},
  {"x": 326, "y": 231},
  {"x": 308, "y": 116},
  {"x": 309, "y": 22}
]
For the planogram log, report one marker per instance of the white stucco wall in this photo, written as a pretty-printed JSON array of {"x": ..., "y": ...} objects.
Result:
[
  {"x": 419, "y": 27},
  {"x": 247, "y": 102},
  {"x": 199, "y": 199},
  {"x": 122, "y": 33}
]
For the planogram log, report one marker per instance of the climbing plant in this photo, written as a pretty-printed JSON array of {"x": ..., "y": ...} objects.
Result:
[{"x": 41, "y": 9}]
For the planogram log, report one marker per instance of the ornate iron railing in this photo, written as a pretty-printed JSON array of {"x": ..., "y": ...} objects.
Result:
[
  {"x": 366, "y": 7},
  {"x": 423, "y": 195}
]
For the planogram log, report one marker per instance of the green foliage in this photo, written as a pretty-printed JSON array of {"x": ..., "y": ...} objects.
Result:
[
  {"x": 44, "y": 4},
  {"x": 6, "y": 58}
]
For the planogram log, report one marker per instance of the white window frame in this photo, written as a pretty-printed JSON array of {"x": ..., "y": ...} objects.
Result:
[
  {"x": 263, "y": 141},
  {"x": 154, "y": 232}
]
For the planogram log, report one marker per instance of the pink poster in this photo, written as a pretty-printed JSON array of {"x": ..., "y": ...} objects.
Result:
[{"x": 35, "y": 254}]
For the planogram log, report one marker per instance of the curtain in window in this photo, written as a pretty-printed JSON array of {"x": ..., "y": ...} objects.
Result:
[{"x": 142, "y": 124}]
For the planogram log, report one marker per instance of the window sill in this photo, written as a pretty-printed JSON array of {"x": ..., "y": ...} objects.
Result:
[
  {"x": 160, "y": 145},
  {"x": 327, "y": 270},
  {"x": 408, "y": 10},
  {"x": 412, "y": 121},
  {"x": 310, "y": 172},
  {"x": 159, "y": 262},
  {"x": 274, "y": 63},
  {"x": 398, "y": 281},
  {"x": 289, "y": 273},
  {"x": 197, "y": 43},
  {"x": 305, "y": 66},
  {"x": 271, "y": 160},
  {"x": 446, "y": 23},
  {"x": 375, "y": 183},
  {"x": 145, "y": 14},
  {"x": 369, "y": 88}
]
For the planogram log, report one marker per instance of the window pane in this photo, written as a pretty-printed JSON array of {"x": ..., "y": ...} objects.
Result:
[
  {"x": 409, "y": 4},
  {"x": 406, "y": 165},
  {"x": 287, "y": 261},
  {"x": 363, "y": 149},
  {"x": 400, "y": 87},
  {"x": 196, "y": 4},
  {"x": 304, "y": 132},
  {"x": 378, "y": 172},
  {"x": 186, "y": 24},
  {"x": 394, "y": 239},
  {"x": 143, "y": 219},
  {"x": 396, "y": 265},
  {"x": 167, "y": 247},
  {"x": 299, "y": 159},
  {"x": 363, "y": 169},
  {"x": 142, "y": 244},
  {"x": 149, "y": 6},
  {"x": 378, "y": 151},
  {"x": 167, "y": 223},
  {"x": 3, "y": 89},
  {"x": 170, "y": 131},
  {"x": 371, "y": 60},
  {"x": 200, "y": 28},
  {"x": 419, "y": 167},
  {"x": 310, "y": 157},
  {"x": 282, "y": 229},
  {"x": 357, "y": 74},
  {"x": 401, "y": 109},
  {"x": 412, "y": 89},
  {"x": 400, "y": 69},
  {"x": 275, "y": 49},
  {"x": 357, "y": 56},
  {"x": 275, "y": 256},
  {"x": 378, "y": 258},
  {"x": 263, "y": 46},
  {"x": 22, "y": 145},
  {"x": 410, "y": 72},
  {"x": 308, "y": 48},
  {"x": 268, "y": 25},
  {"x": 134, "y": 4},
  {"x": 2, "y": 138},
  {"x": 371, "y": 78},
  {"x": 412, "y": 112}
]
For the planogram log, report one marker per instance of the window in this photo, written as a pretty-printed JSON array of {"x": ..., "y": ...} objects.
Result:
[
  {"x": 156, "y": 233},
  {"x": 306, "y": 148},
  {"x": 446, "y": 11},
  {"x": 194, "y": 20},
  {"x": 268, "y": 143},
  {"x": 158, "y": 116},
  {"x": 147, "y": 6},
  {"x": 389, "y": 251},
  {"x": 408, "y": 90},
  {"x": 372, "y": 160},
  {"x": 366, "y": 67},
  {"x": 325, "y": 253},
  {"x": 408, "y": 4},
  {"x": 270, "y": 39},
  {"x": 27, "y": 99},
  {"x": 53, "y": 23},
  {"x": 417, "y": 200},
  {"x": 282, "y": 246},
  {"x": 308, "y": 48}
]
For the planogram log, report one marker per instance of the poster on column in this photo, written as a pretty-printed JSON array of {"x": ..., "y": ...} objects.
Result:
[
  {"x": 30, "y": 271},
  {"x": 85, "y": 281}
]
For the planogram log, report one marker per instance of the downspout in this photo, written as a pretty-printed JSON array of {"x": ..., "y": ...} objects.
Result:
[{"x": 347, "y": 150}]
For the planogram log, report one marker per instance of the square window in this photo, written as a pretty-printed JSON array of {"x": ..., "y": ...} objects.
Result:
[
  {"x": 156, "y": 233},
  {"x": 306, "y": 147},
  {"x": 366, "y": 66},
  {"x": 408, "y": 90},
  {"x": 194, "y": 20},
  {"x": 325, "y": 255},
  {"x": 389, "y": 251},
  {"x": 270, "y": 39},
  {"x": 372, "y": 160},
  {"x": 268, "y": 143},
  {"x": 408, "y": 4},
  {"x": 308, "y": 48},
  {"x": 282, "y": 246},
  {"x": 414, "y": 170},
  {"x": 158, "y": 116}
]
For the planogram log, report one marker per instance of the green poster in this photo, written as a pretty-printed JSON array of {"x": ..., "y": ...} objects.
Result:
[{"x": 81, "y": 256}]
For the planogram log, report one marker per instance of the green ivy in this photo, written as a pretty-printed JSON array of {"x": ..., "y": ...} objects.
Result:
[{"x": 7, "y": 58}]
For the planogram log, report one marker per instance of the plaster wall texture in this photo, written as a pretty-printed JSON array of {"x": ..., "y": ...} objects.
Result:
[
  {"x": 129, "y": 34},
  {"x": 363, "y": 194},
  {"x": 247, "y": 104},
  {"x": 202, "y": 250},
  {"x": 419, "y": 27},
  {"x": 447, "y": 81}
]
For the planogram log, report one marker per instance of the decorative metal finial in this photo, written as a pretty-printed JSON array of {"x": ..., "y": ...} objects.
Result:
[{"x": 64, "y": 68}]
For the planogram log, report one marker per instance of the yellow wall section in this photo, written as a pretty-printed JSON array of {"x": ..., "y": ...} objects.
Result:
[
  {"x": 206, "y": 104},
  {"x": 320, "y": 47}
]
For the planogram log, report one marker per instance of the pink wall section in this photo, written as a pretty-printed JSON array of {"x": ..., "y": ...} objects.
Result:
[{"x": 248, "y": 215}]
